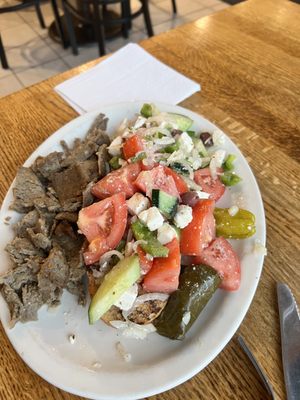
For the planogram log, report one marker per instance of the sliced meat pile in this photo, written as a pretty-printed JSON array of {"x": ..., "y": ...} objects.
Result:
[{"x": 45, "y": 252}]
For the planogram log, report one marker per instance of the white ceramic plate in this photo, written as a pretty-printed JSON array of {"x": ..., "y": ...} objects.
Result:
[{"x": 157, "y": 364}]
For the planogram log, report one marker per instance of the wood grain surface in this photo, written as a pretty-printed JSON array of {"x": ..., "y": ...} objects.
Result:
[{"x": 247, "y": 59}]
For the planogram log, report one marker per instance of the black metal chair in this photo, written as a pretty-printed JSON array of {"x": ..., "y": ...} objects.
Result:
[
  {"x": 17, "y": 7},
  {"x": 174, "y": 6},
  {"x": 97, "y": 17}
]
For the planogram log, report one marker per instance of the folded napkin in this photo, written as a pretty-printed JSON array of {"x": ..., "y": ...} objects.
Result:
[{"x": 129, "y": 74}]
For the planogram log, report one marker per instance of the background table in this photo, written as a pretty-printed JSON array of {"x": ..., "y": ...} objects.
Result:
[{"x": 247, "y": 61}]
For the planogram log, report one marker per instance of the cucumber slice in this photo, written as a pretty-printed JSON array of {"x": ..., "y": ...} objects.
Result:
[
  {"x": 179, "y": 168},
  {"x": 183, "y": 122},
  {"x": 166, "y": 203},
  {"x": 115, "y": 283}
]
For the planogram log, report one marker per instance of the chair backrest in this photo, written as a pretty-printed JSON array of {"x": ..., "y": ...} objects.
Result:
[
  {"x": 14, "y": 8},
  {"x": 17, "y": 7}
]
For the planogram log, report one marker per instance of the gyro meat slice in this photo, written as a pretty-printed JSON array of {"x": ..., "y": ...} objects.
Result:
[
  {"x": 43, "y": 167},
  {"x": 27, "y": 189},
  {"x": 103, "y": 156},
  {"x": 147, "y": 311}
]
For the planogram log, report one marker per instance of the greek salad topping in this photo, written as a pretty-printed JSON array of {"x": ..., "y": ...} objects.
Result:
[{"x": 156, "y": 212}]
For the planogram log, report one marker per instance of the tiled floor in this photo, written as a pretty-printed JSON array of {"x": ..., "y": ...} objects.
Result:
[{"x": 33, "y": 56}]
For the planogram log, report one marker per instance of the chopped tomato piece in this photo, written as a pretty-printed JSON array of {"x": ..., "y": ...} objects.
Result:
[
  {"x": 103, "y": 224},
  {"x": 200, "y": 231},
  {"x": 164, "y": 274},
  {"x": 209, "y": 185},
  {"x": 145, "y": 263},
  {"x": 119, "y": 181},
  {"x": 179, "y": 182},
  {"x": 132, "y": 145},
  {"x": 221, "y": 256},
  {"x": 156, "y": 178},
  {"x": 96, "y": 249}
]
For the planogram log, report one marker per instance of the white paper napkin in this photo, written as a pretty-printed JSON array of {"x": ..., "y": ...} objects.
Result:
[{"x": 130, "y": 74}]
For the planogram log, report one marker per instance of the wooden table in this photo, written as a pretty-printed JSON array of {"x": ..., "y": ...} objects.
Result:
[{"x": 247, "y": 61}]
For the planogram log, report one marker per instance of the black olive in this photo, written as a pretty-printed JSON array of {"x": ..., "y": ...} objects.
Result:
[
  {"x": 190, "y": 198},
  {"x": 206, "y": 138},
  {"x": 176, "y": 132}
]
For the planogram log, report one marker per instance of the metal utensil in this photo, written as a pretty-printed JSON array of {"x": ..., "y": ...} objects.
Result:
[
  {"x": 258, "y": 368},
  {"x": 290, "y": 340}
]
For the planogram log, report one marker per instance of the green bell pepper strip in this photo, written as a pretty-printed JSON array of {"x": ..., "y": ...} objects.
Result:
[
  {"x": 191, "y": 134},
  {"x": 138, "y": 157},
  {"x": 171, "y": 148},
  {"x": 151, "y": 246},
  {"x": 228, "y": 163},
  {"x": 230, "y": 178}
]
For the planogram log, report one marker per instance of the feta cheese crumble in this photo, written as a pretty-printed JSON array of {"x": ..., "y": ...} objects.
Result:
[
  {"x": 114, "y": 148},
  {"x": 202, "y": 195},
  {"x": 183, "y": 216},
  {"x": 259, "y": 248},
  {"x": 152, "y": 218},
  {"x": 166, "y": 233},
  {"x": 137, "y": 203}
]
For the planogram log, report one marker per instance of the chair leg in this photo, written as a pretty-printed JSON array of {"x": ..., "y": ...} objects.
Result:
[
  {"x": 39, "y": 14},
  {"x": 3, "y": 58},
  {"x": 99, "y": 28},
  {"x": 128, "y": 5},
  {"x": 174, "y": 6},
  {"x": 58, "y": 24},
  {"x": 70, "y": 29},
  {"x": 147, "y": 18},
  {"x": 125, "y": 13}
]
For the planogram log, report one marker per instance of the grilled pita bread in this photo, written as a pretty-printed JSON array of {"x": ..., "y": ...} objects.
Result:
[{"x": 143, "y": 314}]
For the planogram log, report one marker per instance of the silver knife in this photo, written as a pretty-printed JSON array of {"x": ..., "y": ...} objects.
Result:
[{"x": 290, "y": 340}]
